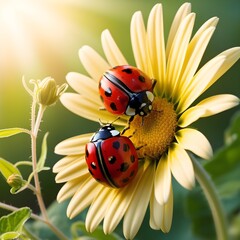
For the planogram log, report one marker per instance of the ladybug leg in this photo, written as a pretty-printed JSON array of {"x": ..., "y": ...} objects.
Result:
[
  {"x": 138, "y": 148},
  {"x": 132, "y": 134},
  {"x": 128, "y": 127}
]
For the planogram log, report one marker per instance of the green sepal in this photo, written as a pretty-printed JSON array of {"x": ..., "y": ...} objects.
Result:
[
  {"x": 7, "y": 169},
  {"x": 43, "y": 156}
]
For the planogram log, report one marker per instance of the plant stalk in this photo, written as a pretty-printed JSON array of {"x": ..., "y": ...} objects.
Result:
[{"x": 214, "y": 202}]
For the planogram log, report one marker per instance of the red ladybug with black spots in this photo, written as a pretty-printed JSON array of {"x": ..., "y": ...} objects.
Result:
[
  {"x": 112, "y": 159},
  {"x": 126, "y": 90}
]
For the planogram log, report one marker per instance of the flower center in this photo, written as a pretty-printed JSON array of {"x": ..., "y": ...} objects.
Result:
[{"x": 153, "y": 133}]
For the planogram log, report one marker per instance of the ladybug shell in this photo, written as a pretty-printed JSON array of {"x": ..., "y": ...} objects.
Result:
[
  {"x": 132, "y": 77},
  {"x": 113, "y": 161},
  {"x": 118, "y": 85}
]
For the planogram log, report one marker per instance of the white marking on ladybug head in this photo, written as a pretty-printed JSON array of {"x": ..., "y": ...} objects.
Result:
[
  {"x": 143, "y": 105},
  {"x": 150, "y": 96},
  {"x": 130, "y": 111},
  {"x": 114, "y": 133}
]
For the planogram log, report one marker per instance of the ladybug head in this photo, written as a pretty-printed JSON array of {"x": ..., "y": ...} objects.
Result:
[
  {"x": 105, "y": 132},
  {"x": 140, "y": 103}
]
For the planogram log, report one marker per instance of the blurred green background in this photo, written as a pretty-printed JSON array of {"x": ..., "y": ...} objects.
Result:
[{"x": 40, "y": 38}]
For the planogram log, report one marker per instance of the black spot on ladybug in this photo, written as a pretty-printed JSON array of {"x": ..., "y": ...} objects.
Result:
[
  {"x": 127, "y": 70},
  {"x": 112, "y": 159},
  {"x": 93, "y": 165},
  {"x": 126, "y": 147},
  {"x": 141, "y": 78},
  {"x": 86, "y": 153},
  {"x": 101, "y": 98},
  {"x": 132, "y": 174},
  {"x": 125, "y": 180},
  {"x": 116, "y": 145},
  {"x": 132, "y": 158},
  {"x": 113, "y": 106},
  {"x": 124, "y": 167},
  {"x": 108, "y": 92}
]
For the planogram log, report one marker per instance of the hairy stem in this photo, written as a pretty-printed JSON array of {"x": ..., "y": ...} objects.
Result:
[
  {"x": 214, "y": 202},
  {"x": 12, "y": 209},
  {"x": 34, "y": 129}
]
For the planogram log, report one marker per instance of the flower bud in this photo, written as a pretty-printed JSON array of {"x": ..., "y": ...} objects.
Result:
[
  {"x": 47, "y": 91},
  {"x": 15, "y": 181}
]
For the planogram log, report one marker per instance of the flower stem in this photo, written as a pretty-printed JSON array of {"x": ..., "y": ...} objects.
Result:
[
  {"x": 35, "y": 124},
  {"x": 214, "y": 202},
  {"x": 35, "y": 128}
]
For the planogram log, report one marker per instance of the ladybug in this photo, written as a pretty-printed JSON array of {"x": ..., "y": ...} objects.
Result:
[
  {"x": 112, "y": 159},
  {"x": 126, "y": 90}
]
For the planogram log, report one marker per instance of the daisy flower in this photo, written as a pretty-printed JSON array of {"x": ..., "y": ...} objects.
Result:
[{"x": 165, "y": 133}]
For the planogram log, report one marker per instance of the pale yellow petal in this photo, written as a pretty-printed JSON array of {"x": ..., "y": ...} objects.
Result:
[
  {"x": 231, "y": 56},
  {"x": 208, "y": 107},
  {"x": 74, "y": 145},
  {"x": 177, "y": 53},
  {"x": 81, "y": 106},
  {"x": 94, "y": 64},
  {"x": 139, "y": 203},
  {"x": 65, "y": 162},
  {"x": 120, "y": 203},
  {"x": 199, "y": 82},
  {"x": 207, "y": 75},
  {"x": 156, "y": 213},
  {"x": 111, "y": 50},
  {"x": 193, "y": 58},
  {"x": 99, "y": 207},
  {"x": 161, "y": 214},
  {"x": 156, "y": 45},
  {"x": 75, "y": 170},
  {"x": 83, "y": 197},
  {"x": 139, "y": 43},
  {"x": 182, "y": 12},
  {"x": 162, "y": 180},
  {"x": 181, "y": 166},
  {"x": 85, "y": 86},
  {"x": 69, "y": 188},
  {"x": 194, "y": 141},
  {"x": 167, "y": 213}
]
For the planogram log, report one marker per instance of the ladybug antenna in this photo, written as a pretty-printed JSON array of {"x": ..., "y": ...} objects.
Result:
[
  {"x": 102, "y": 124},
  {"x": 114, "y": 120}
]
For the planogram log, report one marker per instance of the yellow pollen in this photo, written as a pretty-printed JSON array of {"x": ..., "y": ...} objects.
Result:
[{"x": 153, "y": 133}]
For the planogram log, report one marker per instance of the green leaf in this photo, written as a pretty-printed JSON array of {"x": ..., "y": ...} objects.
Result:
[
  {"x": 225, "y": 165},
  {"x": 224, "y": 170},
  {"x": 7, "y": 169},
  {"x": 79, "y": 233},
  {"x": 43, "y": 156},
  {"x": 10, "y": 235},
  {"x": 200, "y": 214},
  {"x": 14, "y": 221},
  {"x": 8, "y": 132}
]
